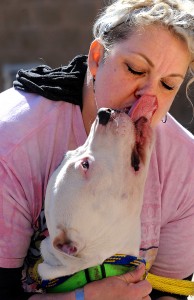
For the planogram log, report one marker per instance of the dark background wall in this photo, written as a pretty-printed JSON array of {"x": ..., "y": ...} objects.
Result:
[{"x": 52, "y": 32}]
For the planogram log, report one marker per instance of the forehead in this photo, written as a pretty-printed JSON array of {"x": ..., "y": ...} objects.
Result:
[{"x": 158, "y": 44}]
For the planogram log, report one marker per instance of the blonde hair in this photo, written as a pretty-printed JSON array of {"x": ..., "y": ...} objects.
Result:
[{"x": 120, "y": 18}]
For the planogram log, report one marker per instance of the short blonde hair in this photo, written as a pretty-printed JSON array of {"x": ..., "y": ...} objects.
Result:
[{"x": 120, "y": 17}]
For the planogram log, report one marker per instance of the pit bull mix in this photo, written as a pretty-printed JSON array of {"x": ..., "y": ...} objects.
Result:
[{"x": 94, "y": 198}]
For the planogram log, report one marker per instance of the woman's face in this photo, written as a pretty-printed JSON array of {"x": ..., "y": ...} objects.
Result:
[{"x": 151, "y": 61}]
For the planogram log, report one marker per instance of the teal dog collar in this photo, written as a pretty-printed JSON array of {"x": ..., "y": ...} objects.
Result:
[{"x": 113, "y": 266}]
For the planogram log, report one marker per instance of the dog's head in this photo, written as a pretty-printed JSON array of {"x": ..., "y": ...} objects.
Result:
[{"x": 99, "y": 183}]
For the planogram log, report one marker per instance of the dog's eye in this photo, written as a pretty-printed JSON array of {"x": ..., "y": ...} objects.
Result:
[{"x": 85, "y": 164}]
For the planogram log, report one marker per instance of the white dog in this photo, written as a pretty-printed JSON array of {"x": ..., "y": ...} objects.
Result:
[{"x": 94, "y": 198}]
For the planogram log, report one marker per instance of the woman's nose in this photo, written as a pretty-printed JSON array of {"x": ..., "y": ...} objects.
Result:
[{"x": 146, "y": 88}]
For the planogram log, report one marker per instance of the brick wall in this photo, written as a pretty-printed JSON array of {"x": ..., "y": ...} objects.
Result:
[{"x": 52, "y": 32}]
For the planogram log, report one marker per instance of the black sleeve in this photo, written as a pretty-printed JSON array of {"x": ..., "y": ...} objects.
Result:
[
  {"x": 11, "y": 285},
  {"x": 155, "y": 294}
]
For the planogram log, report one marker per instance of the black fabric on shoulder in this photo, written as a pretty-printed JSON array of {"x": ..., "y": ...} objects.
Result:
[
  {"x": 60, "y": 84},
  {"x": 155, "y": 294},
  {"x": 11, "y": 285}
]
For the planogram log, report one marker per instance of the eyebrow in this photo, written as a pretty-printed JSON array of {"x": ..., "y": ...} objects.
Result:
[
  {"x": 152, "y": 65},
  {"x": 176, "y": 75}
]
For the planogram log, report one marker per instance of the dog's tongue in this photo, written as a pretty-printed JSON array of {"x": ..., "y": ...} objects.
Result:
[{"x": 144, "y": 107}]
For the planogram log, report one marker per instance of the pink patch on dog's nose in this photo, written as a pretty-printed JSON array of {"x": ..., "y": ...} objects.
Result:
[{"x": 144, "y": 107}]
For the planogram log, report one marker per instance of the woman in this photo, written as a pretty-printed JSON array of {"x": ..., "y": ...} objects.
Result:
[{"x": 141, "y": 47}]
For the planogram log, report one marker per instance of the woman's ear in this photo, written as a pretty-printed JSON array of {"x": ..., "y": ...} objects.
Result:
[{"x": 95, "y": 56}]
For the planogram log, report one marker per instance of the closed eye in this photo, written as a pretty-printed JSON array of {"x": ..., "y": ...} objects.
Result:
[
  {"x": 134, "y": 71},
  {"x": 166, "y": 86}
]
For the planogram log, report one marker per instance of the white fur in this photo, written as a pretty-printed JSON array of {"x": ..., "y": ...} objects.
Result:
[{"x": 95, "y": 213}]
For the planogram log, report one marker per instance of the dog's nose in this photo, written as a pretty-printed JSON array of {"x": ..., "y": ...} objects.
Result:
[{"x": 104, "y": 115}]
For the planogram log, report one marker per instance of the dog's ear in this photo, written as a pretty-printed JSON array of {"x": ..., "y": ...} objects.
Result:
[
  {"x": 69, "y": 248},
  {"x": 64, "y": 244}
]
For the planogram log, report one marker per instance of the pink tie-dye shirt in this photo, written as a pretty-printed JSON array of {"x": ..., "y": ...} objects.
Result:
[{"x": 34, "y": 135}]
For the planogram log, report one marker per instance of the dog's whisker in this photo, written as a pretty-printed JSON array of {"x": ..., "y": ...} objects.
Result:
[
  {"x": 116, "y": 120},
  {"x": 115, "y": 117}
]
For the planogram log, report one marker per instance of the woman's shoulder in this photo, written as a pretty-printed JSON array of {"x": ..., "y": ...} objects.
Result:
[
  {"x": 24, "y": 115},
  {"x": 16, "y": 105}
]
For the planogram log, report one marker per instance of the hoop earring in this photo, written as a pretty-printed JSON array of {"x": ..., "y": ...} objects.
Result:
[{"x": 165, "y": 119}]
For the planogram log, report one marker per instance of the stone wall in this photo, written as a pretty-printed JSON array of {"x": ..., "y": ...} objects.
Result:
[{"x": 52, "y": 32}]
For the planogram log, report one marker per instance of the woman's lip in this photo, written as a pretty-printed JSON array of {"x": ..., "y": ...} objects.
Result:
[{"x": 125, "y": 109}]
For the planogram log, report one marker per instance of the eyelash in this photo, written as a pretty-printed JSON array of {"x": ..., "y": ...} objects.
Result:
[
  {"x": 135, "y": 72},
  {"x": 166, "y": 86}
]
